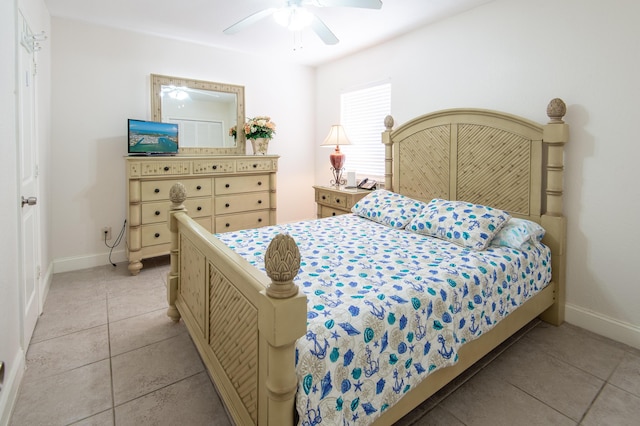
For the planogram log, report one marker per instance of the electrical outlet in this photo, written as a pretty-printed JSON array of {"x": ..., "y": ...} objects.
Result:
[{"x": 106, "y": 233}]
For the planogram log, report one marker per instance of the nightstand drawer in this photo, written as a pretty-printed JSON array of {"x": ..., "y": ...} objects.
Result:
[
  {"x": 236, "y": 222},
  {"x": 333, "y": 201},
  {"x": 329, "y": 211},
  {"x": 323, "y": 197}
]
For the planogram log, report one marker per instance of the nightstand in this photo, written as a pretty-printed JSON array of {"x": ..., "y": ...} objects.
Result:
[{"x": 333, "y": 201}]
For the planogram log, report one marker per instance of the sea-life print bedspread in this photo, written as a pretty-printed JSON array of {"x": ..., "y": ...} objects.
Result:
[{"x": 386, "y": 307}]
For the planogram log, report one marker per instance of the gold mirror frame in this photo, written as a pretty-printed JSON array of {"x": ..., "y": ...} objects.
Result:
[{"x": 157, "y": 81}]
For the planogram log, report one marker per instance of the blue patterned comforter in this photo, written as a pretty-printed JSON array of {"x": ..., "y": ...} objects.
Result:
[{"x": 386, "y": 307}]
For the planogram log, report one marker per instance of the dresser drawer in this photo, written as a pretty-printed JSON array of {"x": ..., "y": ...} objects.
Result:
[
  {"x": 255, "y": 164},
  {"x": 237, "y": 184},
  {"x": 242, "y": 202},
  {"x": 156, "y": 212},
  {"x": 159, "y": 190},
  {"x": 155, "y": 234},
  {"x": 169, "y": 167},
  {"x": 236, "y": 222},
  {"x": 205, "y": 222},
  {"x": 213, "y": 166}
]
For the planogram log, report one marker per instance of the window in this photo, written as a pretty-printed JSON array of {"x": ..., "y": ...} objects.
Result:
[{"x": 362, "y": 114}]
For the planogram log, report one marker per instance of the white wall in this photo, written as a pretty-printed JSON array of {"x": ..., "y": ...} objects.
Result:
[
  {"x": 514, "y": 56},
  {"x": 101, "y": 78}
]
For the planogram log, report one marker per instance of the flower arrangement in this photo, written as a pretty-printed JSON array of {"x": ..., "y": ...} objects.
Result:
[
  {"x": 233, "y": 132},
  {"x": 259, "y": 127}
]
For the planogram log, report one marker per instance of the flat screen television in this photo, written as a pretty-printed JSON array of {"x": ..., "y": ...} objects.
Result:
[{"x": 152, "y": 138}]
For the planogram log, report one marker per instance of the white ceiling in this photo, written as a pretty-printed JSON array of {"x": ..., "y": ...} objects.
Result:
[{"x": 202, "y": 21}]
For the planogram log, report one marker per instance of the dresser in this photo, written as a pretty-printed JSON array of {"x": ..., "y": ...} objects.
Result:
[
  {"x": 332, "y": 201},
  {"x": 225, "y": 193}
]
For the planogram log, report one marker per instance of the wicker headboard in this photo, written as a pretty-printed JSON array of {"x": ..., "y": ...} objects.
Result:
[
  {"x": 480, "y": 156},
  {"x": 486, "y": 157}
]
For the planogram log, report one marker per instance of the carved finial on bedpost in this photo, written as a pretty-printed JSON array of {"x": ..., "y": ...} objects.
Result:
[
  {"x": 282, "y": 262},
  {"x": 177, "y": 195},
  {"x": 556, "y": 110},
  {"x": 388, "y": 122}
]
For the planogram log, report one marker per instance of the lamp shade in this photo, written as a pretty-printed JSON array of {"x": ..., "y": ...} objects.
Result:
[{"x": 336, "y": 137}]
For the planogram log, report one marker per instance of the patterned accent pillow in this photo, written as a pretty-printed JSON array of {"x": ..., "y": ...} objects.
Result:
[
  {"x": 516, "y": 233},
  {"x": 466, "y": 224},
  {"x": 388, "y": 208}
]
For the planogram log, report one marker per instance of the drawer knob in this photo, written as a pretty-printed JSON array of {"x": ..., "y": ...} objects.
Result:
[
  {"x": 324, "y": 197},
  {"x": 259, "y": 219},
  {"x": 227, "y": 225},
  {"x": 255, "y": 165},
  {"x": 337, "y": 200},
  {"x": 226, "y": 205},
  {"x": 157, "y": 190},
  {"x": 157, "y": 234},
  {"x": 166, "y": 168},
  {"x": 214, "y": 167},
  {"x": 157, "y": 212},
  {"x": 259, "y": 182},
  {"x": 198, "y": 187},
  {"x": 199, "y": 208},
  {"x": 227, "y": 186},
  {"x": 259, "y": 201},
  {"x": 333, "y": 214}
]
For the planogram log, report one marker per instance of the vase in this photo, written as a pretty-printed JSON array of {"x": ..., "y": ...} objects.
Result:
[{"x": 260, "y": 146}]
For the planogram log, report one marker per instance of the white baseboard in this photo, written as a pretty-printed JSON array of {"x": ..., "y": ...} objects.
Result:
[
  {"x": 84, "y": 262},
  {"x": 45, "y": 284},
  {"x": 10, "y": 387},
  {"x": 619, "y": 331}
]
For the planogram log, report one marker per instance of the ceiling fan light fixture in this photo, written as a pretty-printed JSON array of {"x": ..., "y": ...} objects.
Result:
[{"x": 293, "y": 17}]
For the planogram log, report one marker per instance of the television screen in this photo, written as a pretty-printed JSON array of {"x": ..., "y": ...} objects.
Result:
[{"x": 151, "y": 137}]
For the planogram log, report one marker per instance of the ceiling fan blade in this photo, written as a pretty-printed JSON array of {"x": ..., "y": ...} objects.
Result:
[
  {"x": 249, "y": 20},
  {"x": 321, "y": 29},
  {"x": 364, "y": 4}
]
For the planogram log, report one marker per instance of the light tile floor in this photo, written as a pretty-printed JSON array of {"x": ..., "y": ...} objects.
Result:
[{"x": 105, "y": 353}]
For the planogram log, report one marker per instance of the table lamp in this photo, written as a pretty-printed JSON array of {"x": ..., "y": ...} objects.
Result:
[{"x": 337, "y": 137}]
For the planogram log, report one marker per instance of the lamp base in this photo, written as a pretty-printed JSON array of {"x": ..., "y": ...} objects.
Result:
[
  {"x": 337, "y": 177},
  {"x": 337, "y": 161}
]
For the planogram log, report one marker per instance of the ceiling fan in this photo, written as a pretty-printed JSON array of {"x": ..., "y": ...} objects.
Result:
[{"x": 296, "y": 16}]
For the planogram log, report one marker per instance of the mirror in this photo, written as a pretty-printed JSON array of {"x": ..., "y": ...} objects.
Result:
[{"x": 204, "y": 111}]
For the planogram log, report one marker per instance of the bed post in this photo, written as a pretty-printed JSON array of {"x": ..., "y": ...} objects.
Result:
[
  {"x": 555, "y": 135},
  {"x": 388, "y": 153},
  {"x": 282, "y": 320},
  {"x": 177, "y": 195}
]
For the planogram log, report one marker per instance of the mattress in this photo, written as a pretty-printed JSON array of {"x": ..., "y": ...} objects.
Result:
[{"x": 386, "y": 307}]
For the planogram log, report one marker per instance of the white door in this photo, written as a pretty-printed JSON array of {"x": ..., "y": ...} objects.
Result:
[{"x": 28, "y": 177}]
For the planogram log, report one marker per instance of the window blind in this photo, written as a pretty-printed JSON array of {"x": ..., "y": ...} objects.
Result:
[{"x": 362, "y": 114}]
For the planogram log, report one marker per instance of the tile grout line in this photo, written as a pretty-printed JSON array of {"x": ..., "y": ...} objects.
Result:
[{"x": 113, "y": 397}]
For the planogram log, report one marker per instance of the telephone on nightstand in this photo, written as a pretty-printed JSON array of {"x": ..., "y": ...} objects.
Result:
[{"x": 367, "y": 183}]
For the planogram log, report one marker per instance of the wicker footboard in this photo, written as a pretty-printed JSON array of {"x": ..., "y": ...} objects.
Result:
[{"x": 244, "y": 325}]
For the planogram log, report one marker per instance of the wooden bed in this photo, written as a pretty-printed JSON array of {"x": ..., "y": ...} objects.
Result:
[{"x": 245, "y": 324}]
